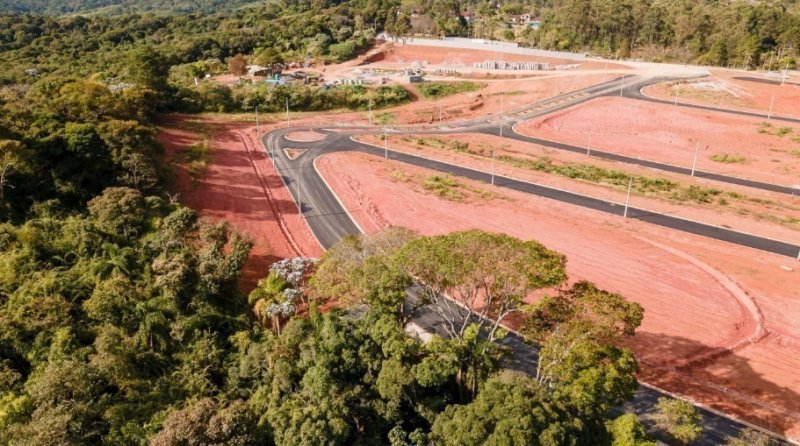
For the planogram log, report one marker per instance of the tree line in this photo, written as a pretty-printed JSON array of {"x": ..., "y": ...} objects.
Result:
[{"x": 751, "y": 34}]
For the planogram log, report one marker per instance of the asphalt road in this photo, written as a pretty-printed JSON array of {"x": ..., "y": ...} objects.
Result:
[
  {"x": 637, "y": 94},
  {"x": 330, "y": 222},
  {"x": 764, "y": 81},
  {"x": 524, "y": 357}
]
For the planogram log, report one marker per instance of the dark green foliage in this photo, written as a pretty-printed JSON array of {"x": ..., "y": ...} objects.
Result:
[
  {"x": 710, "y": 32},
  {"x": 137, "y": 48},
  {"x": 436, "y": 90},
  {"x": 510, "y": 410},
  {"x": 212, "y": 97},
  {"x": 59, "y": 7}
]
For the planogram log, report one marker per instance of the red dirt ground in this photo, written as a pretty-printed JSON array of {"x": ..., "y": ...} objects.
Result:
[
  {"x": 721, "y": 89},
  {"x": 409, "y": 53},
  {"x": 515, "y": 93},
  {"x": 240, "y": 185},
  {"x": 708, "y": 305},
  {"x": 669, "y": 134},
  {"x": 304, "y": 136},
  {"x": 756, "y": 212}
]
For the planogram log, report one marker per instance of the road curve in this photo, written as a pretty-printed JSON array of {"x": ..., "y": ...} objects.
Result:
[{"x": 330, "y": 222}]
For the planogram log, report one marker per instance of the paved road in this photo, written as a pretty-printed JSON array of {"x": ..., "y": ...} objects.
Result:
[
  {"x": 512, "y": 134},
  {"x": 330, "y": 222},
  {"x": 765, "y": 81},
  {"x": 630, "y": 87},
  {"x": 716, "y": 427},
  {"x": 637, "y": 94}
]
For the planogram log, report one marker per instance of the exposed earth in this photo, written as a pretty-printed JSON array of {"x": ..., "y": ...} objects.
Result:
[{"x": 720, "y": 320}]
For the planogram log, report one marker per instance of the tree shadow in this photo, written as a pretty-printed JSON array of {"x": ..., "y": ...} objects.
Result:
[{"x": 734, "y": 388}]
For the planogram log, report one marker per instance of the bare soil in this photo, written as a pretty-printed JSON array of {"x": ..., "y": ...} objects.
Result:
[
  {"x": 750, "y": 147},
  {"x": 241, "y": 186},
  {"x": 719, "y": 319},
  {"x": 722, "y": 89}
]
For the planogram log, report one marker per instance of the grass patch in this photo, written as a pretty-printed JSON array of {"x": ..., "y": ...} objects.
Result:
[
  {"x": 728, "y": 159},
  {"x": 436, "y": 90},
  {"x": 445, "y": 187},
  {"x": 767, "y": 129},
  {"x": 796, "y": 153},
  {"x": 196, "y": 157},
  {"x": 385, "y": 118}
]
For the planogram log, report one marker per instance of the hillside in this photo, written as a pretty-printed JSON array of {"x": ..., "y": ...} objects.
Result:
[{"x": 58, "y": 7}]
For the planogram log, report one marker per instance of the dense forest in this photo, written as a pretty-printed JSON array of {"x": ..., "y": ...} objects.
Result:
[
  {"x": 64, "y": 7},
  {"x": 715, "y": 32}
]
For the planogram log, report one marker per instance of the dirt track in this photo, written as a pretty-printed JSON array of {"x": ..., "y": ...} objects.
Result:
[{"x": 240, "y": 186}]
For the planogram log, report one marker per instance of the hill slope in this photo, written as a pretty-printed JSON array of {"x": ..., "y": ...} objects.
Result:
[{"x": 63, "y": 7}]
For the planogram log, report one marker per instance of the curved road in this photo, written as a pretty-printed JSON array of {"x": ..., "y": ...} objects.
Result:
[{"x": 330, "y": 222}]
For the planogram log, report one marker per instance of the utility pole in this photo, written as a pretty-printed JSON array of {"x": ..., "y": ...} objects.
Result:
[
  {"x": 385, "y": 144},
  {"x": 621, "y": 85},
  {"x": 677, "y": 90},
  {"x": 628, "y": 199},
  {"x": 605, "y": 71},
  {"x": 589, "y": 146},
  {"x": 299, "y": 191},
  {"x": 369, "y": 105},
  {"x": 785, "y": 72},
  {"x": 258, "y": 131},
  {"x": 771, "y": 103},
  {"x": 502, "y": 96},
  {"x": 696, "y": 152},
  {"x": 440, "y": 113},
  {"x": 288, "y": 124}
]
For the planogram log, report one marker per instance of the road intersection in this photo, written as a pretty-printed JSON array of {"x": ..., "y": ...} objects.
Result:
[{"x": 329, "y": 220}]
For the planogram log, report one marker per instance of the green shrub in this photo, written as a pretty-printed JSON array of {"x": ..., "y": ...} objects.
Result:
[
  {"x": 728, "y": 159},
  {"x": 436, "y": 90}
]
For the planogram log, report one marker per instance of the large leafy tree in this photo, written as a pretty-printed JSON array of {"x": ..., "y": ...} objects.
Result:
[{"x": 478, "y": 273}]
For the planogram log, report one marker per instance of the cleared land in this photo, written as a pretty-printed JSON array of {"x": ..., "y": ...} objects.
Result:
[
  {"x": 740, "y": 208},
  {"x": 702, "y": 314},
  {"x": 237, "y": 184},
  {"x": 723, "y": 89},
  {"x": 755, "y": 149}
]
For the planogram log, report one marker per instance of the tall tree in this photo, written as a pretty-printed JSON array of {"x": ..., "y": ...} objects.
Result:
[
  {"x": 237, "y": 65},
  {"x": 679, "y": 419}
]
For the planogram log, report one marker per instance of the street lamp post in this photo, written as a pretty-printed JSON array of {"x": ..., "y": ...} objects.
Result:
[
  {"x": 288, "y": 123},
  {"x": 502, "y": 96},
  {"x": 696, "y": 152},
  {"x": 258, "y": 131},
  {"x": 589, "y": 145},
  {"x": 785, "y": 72},
  {"x": 385, "y": 144},
  {"x": 628, "y": 199},
  {"x": 771, "y": 104}
]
